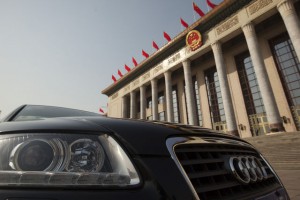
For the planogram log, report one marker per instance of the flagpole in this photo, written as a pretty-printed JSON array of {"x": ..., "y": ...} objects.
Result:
[
  {"x": 180, "y": 27},
  {"x": 153, "y": 50},
  {"x": 207, "y": 7},
  {"x": 194, "y": 11}
]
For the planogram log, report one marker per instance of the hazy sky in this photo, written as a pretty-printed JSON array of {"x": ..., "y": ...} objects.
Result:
[{"x": 63, "y": 52}]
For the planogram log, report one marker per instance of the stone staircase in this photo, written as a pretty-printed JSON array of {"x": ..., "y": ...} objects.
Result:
[{"x": 282, "y": 150}]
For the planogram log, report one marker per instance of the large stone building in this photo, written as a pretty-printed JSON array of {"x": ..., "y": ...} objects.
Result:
[{"x": 243, "y": 80}]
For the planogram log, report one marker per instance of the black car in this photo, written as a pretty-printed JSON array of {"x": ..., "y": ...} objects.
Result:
[{"x": 53, "y": 153}]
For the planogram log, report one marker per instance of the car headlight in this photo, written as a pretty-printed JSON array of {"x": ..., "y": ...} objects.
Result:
[{"x": 64, "y": 160}]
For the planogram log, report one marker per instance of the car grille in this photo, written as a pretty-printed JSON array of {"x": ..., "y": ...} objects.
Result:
[{"x": 204, "y": 164}]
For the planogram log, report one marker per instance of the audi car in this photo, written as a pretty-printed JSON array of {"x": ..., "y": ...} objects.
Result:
[{"x": 54, "y": 153}]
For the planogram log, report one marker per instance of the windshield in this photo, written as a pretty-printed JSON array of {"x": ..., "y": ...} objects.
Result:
[{"x": 36, "y": 112}]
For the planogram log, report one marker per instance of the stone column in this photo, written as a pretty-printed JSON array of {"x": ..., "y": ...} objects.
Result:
[
  {"x": 190, "y": 97},
  {"x": 154, "y": 99},
  {"x": 272, "y": 111},
  {"x": 124, "y": 107},
  {"x": 291, "y": 21},
  {"x": 143, "y": 101},
  {"x": 132, "y": 104},
  {"x": 224, "y": 86},
  {"x": 182, "y": 102},
  {"x": 169, "y": 99},
  {"x": 205, "y": 111}
]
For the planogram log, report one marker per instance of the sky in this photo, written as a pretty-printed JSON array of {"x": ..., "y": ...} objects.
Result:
[{"x": 64, "y": 52}]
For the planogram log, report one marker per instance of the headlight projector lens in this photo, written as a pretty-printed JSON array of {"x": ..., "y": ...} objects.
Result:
[{"x": 38, "y": 155}]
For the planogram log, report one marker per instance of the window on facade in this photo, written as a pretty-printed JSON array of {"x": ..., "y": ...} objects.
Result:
[
  {"x": 138, "y": 103},
  {"x": 161, "y": 98},
  {"x": 149, "y": 102},
  {"x": 197, "y": 98},
  {"x": 214, "y": 95},
  {"x": 161, "y": 116},
  {"x": 251, "y": 93},
  {"x": 253, "y": 100},
  {"x": 288, "y": 66},
  {"x": 175, "y": 104},
  {"x": 127, "y": 106}
]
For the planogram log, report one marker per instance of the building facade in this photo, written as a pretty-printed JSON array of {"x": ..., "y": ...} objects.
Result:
[{"x": 243, "y": 80}]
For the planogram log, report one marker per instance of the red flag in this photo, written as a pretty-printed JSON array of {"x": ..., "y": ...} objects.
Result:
[
  {"x": 167, "y": 36},
  {"x": 113, "y": 78},
  {"x": 198, "y": 10},
  {"x": 100, "y": 110},
  {"x": 134, "y": 62},
  {"x": 210, "y": 4},
  {"x": 183, "y": 23},
  {"x": 155, "y": 45},
  {"x": 127, "y": 68},
  {"x": 120, "y": 73},
  {"x": 145, "y": 54}
]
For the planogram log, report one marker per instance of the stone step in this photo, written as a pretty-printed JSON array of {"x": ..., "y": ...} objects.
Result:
[
  {"x": 285, "y": 165},
  {"x": 281, "y": 158},
  {"x": 281, "y": 150},
  {"x": 282, "y": 161},
  {"x": 269, "y": 150},
  {"x": 283, "y": 153}
]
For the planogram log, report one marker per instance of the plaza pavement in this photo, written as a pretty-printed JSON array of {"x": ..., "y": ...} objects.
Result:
[
  {"x": 291, "y": 181},
  {"x": 282, "y": 150}
]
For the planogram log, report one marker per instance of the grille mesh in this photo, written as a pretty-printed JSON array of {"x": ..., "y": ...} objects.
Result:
[{"x": 204, "y": 165}]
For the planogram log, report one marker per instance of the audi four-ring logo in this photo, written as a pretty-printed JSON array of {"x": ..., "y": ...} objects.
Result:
[{"x": 247, "y": 169}]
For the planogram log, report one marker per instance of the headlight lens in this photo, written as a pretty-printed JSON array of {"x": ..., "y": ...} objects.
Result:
[
  {"x": 39, "y": 155},
  {"x": 86, "y": 156},
  {"x": 64, "y": 160}
]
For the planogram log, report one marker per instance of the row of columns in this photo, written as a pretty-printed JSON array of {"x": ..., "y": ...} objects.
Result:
[{"x": 291, "y": 21}]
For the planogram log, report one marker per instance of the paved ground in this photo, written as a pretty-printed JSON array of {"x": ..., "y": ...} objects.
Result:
[
  {"x": 291, "y": 181},
  {"x": 282, "y": 150}
]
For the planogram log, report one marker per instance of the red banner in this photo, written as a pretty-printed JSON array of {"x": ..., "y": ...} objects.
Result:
[
  {"x": 145, "y": 54},
  {"x": 113, "y": 78},
  {"x": 167, "y": 36},
  {"x": 127, "y": 68},
  {"x": 134, "y": 62},
  {"x": 120, "y": 73},
  {"x": 198, "y": 10},
  {"x": 155, "y": 45},
  {"x": 210, "y": 4},
  {"x": 183, "y": 23}
]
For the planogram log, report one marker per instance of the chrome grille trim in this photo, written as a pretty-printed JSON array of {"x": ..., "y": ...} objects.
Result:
[{"x": 173, "y": 142}]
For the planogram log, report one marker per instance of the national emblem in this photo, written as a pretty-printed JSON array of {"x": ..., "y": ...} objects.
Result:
[{"x": 193, "y": 40}]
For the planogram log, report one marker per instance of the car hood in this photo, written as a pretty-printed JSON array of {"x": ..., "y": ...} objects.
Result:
[{"x": 137, "y": 136}]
